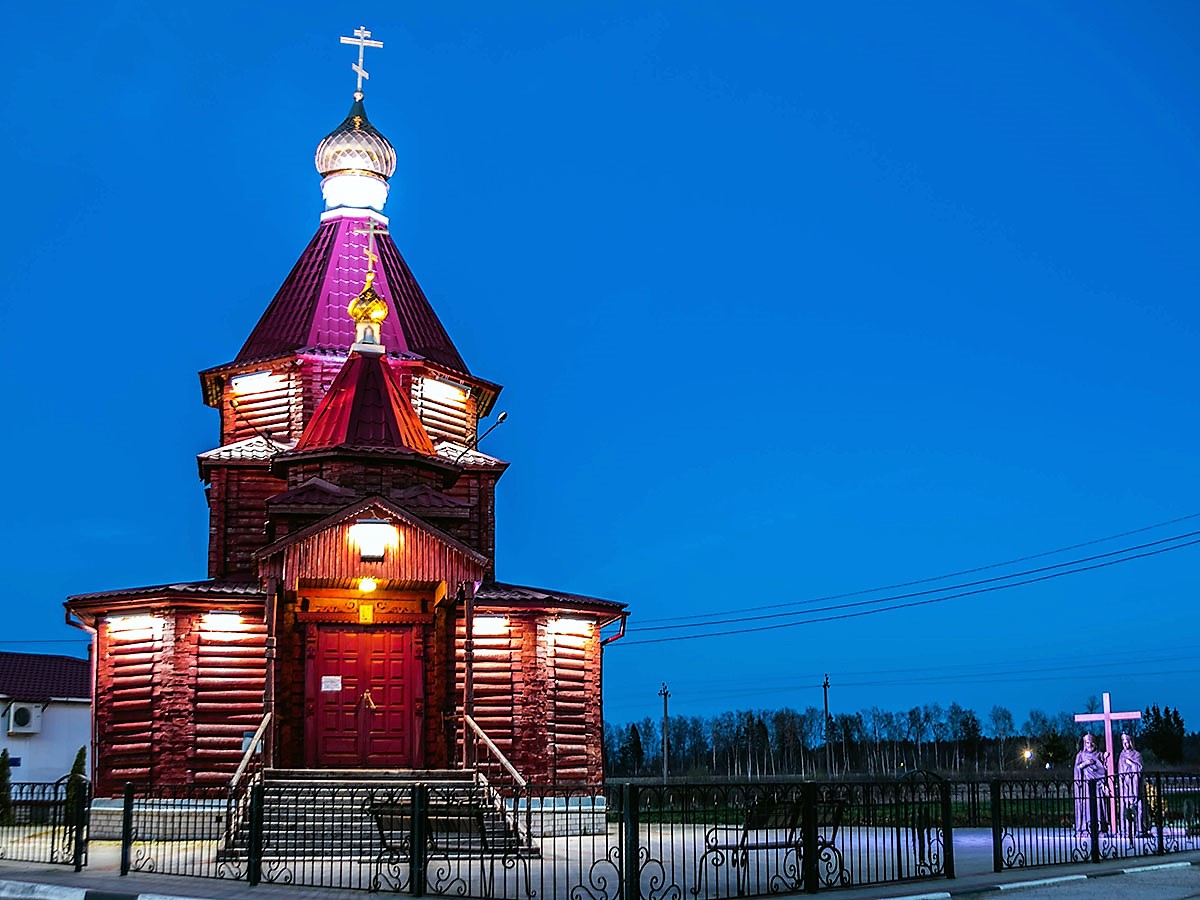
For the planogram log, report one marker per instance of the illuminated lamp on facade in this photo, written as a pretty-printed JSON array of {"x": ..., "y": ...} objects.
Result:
[
  {"x": 255, "y": 383},
  {"x": 373, "y": 537},
  {"x": 121, "y": 624},
  {"x": 578, "y": 627},
  {"x": 220, "y": 620},
  {"x": 440, "y": 390},
  {"x": 366, "y": 585},
  {"x": 490, "y": 626}
]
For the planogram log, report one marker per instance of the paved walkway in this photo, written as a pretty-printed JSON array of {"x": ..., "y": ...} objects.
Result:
[{"x": 1170, "y": 878}]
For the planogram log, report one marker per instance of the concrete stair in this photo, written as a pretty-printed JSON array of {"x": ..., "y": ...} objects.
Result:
[{"x": 349, "y": 814}]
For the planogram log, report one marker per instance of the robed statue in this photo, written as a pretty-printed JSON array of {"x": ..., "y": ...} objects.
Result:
[
  {"x": 1089, "y": 766},
  {"x": 1132, "y": 788}
]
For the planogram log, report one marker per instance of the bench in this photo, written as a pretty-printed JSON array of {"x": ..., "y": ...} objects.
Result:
[
  {"x": 453, "y": 828},
  {"x": 449, "y": 827},
  {"x": 774, "y": 824}
]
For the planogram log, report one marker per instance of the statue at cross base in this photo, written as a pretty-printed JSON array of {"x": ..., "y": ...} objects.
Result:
[
  {"x": 1090, "y": 765},
  {"x": 1108, "y": 759},
  {"x": 1132, "y": 789}
]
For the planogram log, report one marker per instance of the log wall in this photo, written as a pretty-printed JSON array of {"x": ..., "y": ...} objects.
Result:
[
  {"x": 230, "y": 674},
  {"x": 174, "y": 697},
  {"x": 275, "y": 411},
  {"x": 537, "y": 695},
  {"x": 237, "y": 503},
  {"x": 127, "y": 680}
]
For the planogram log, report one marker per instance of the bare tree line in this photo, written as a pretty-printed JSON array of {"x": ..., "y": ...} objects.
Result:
[{"x": 750, "y": 744}]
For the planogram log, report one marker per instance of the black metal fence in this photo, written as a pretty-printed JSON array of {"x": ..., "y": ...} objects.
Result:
[
  {"x": 695, "y": 841},
  {"x": 177, "y": 830},
  {"x": 1047, "y": 822},
  {"x": 463, "y": 838},
  {"x": 46, "y": 822}
]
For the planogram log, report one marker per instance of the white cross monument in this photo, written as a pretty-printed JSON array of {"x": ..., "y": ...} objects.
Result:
[{"x": 1108, "y": 717}]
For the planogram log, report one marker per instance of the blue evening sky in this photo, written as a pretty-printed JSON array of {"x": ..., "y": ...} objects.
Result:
[{"x": 789, "y": 299}]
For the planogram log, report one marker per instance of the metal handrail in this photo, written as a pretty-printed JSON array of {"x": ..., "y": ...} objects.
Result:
[
  {"x": 525, "y": 834},
  {"x": 495, "y": 751},
  {"x": 238, "y": 798},
  {"x": 249, "y": 754}
]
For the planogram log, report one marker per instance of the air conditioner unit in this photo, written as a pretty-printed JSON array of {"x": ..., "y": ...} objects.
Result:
[{"x": 24, "y": 718}]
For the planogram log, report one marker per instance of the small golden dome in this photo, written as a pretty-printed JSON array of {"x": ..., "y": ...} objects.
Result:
[{"x": 368, "y": 308}]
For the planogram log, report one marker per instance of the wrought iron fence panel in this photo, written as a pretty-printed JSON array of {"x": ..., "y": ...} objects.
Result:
[
  {"x": 624, "y": 841},
  {"x": 177, "y": 829},
  {"x": 719, "y": 840},
  {"x": 890, "y": 832},
  {"x": 325, "y": 834},
  {"x": 1041, "y": 822},
  {"x": 46, "y": 822},
  {"x": 1172, "y": 805},
  {"x": 576, "y": 842},
  {"x": 971, "y": 804}
]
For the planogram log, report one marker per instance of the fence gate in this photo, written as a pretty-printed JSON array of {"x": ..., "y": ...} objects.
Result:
[{"x": 46, "y": 822}]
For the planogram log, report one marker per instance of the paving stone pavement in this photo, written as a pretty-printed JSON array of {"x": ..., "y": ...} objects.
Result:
[{"x": 1177, "y": 878}]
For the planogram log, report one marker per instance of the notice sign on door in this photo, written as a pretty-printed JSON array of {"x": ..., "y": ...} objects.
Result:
[{"x": 331, "y": 682}]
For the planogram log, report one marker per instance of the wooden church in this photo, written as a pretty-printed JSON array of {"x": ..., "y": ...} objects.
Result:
[{"x": 351, "y": 603}]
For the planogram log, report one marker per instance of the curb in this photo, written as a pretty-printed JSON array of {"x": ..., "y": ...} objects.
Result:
[
  {"x": 1034, "y": 882},
  {"x": 23, "y": 890}
]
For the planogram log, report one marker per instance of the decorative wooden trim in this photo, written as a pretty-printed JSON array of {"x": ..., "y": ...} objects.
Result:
[
  {"x": 351, "y": 618},
  {"x": 316, "y": 593}
]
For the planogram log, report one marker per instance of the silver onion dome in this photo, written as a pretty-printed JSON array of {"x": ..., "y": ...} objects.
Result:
[{"x": 356, "y": 147}]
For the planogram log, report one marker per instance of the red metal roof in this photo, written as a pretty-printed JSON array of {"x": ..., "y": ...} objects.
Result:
[
  {"x": 40, "y": 677},
  {"x": 423, "y": 497},
  {"x": 313, "y": 492},
  {"x": 224, "y": 590},
  {"x": 498, "y": 592},
  {"x": 366, "y": 409},
  {"x": 309, "y": 311}
]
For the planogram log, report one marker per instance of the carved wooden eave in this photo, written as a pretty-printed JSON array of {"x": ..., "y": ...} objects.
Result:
[{"x": 322, "y": 554}]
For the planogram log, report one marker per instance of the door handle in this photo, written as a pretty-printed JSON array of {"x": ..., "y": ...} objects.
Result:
[{"x": 367, "y": 701}]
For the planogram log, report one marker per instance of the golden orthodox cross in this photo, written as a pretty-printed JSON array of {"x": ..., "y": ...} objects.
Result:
[
  {"x": 371, "y": 230},
  {"x": 360, "y": 39},
  {"x": 1108, "y": 717}
]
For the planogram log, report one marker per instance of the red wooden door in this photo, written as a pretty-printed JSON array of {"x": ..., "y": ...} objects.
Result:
[{"x": 367, "y": 692}]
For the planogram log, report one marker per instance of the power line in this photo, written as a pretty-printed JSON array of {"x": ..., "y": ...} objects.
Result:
[
  {"x": 1133, "y": 656},
  {"x": 1129, "y": 663},
  {"x": 961, "y": 572},
  {"x": 952, "y": 587},
  {"x": 1013, "y": 668},
  {"x": 914, "y": 603},
  {"x": 749, "y": 697}
]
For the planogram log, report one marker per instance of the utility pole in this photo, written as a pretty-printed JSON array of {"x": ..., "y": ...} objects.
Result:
[
  {"x": 664, "y": 693},
  {"x": 828, "y": 755}
]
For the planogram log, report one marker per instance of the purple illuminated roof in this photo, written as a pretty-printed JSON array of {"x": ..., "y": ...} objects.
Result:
[{"x": 309, "y": 311}]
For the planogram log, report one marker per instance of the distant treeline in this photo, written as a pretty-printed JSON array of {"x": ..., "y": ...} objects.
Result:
[{"x": 765, "y": 744}]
